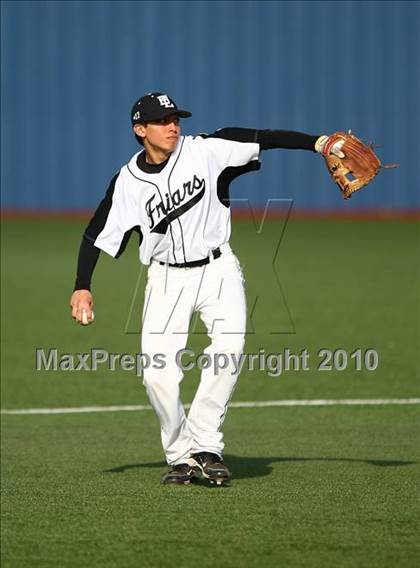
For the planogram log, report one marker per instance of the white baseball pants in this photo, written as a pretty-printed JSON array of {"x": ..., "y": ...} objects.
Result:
[{"x": 172, "y": 295}]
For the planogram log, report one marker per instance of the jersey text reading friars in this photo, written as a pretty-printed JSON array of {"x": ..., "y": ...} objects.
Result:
[{"x": 174, "y": 204}]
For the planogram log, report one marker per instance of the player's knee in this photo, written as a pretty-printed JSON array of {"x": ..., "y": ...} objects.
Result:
[{"x": 162, "y": 379}]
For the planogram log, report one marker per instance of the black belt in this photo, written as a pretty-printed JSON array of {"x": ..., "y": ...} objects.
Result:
[{"x": 216, "y": 253}]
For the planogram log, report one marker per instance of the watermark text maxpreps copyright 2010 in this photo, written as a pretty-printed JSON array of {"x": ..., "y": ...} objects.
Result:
[{"x": 274, "y": 364}]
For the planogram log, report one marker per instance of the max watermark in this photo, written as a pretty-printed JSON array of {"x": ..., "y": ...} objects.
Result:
[{"x": 274, "y": 364}]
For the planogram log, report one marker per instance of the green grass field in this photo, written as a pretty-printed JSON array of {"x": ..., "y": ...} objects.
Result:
[{"x": 313, "y": 486}]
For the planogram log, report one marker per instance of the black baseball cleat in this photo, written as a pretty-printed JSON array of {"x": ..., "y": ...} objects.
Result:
[
  {"x": 211, "y": 467},
  {"x": 180, "y": 474}
]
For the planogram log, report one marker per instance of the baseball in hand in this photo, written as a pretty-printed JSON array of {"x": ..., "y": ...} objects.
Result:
[{"x": 85, "y": 320}]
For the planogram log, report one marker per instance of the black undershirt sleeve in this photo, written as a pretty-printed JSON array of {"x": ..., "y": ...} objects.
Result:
[
  {"x": 88, "y": 257},
  {"x": 269, "y": 139},
  {"x": 88, "y": 253}
]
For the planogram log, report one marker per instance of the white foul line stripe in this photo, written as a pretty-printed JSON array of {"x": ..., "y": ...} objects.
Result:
[
  {"x": 250, "y": 404},
  {"x": 331, "y": 402}
]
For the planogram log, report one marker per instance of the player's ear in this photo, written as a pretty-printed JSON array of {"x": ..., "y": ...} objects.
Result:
[{"x": 140, "y": 130}]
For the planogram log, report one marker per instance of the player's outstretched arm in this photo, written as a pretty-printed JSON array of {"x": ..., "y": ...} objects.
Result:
[{"x": 280, "y": 139}]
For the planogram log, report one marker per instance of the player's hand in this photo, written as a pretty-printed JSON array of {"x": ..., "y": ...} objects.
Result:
[
  {"x": 81, "y": 303},
  {"x": 322, "y": 146}
]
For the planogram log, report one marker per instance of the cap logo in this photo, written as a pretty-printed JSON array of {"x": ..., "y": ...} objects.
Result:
[
  {"x": 165, "y": 101},
  {"x": 136, "y": 116}
]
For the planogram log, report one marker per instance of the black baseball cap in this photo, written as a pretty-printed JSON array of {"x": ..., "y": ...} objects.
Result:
[{"x": 155, "y": 106}]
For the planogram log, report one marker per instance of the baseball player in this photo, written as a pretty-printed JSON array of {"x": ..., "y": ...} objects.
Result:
[{"x": 174, "y": 193}]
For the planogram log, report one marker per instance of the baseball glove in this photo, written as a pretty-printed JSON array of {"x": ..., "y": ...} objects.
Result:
[{"x": 355, "y": 165}]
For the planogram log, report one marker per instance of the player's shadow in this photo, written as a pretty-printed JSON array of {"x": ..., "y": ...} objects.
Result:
[{"x": 248, "y": 467}]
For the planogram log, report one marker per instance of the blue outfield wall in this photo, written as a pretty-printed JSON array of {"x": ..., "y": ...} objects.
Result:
[{"x": 71, "y": 71}]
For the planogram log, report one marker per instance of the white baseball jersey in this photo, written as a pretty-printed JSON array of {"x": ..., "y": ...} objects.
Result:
[{"x": 182, "y": 212}]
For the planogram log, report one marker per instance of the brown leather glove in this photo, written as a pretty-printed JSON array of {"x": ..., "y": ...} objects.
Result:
[{"x": 356, "y": 168}]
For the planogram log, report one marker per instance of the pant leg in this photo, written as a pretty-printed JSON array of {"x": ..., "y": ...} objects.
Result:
[
  {"x": 222, "y": 307},
  {"x": 166, "y": 315}
]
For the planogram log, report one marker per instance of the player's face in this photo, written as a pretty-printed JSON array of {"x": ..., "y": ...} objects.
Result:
[{"x": 161, "y": 135}]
